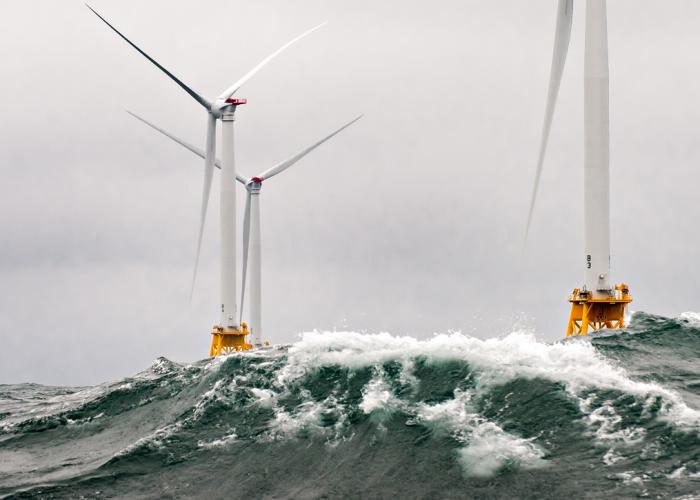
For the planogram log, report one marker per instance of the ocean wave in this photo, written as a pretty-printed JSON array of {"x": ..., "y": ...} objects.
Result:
[
  {"x": 576, "y": 364},
  {"x": 483, "y": 409}
]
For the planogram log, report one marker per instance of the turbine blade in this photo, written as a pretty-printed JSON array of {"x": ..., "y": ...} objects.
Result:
[
  {"x": 206, "y": 188},
  {"x": 280, "y": 167},
  {"x": 200, "y": 99},
  {"x": 199, "y": 152},
  {"x": 246, "y": 244},
  {"x": 561, "y": 47},
  {"x": 233, "y": 88}
]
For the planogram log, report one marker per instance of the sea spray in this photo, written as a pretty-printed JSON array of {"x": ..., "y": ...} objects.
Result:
[{"x": 346, "y": 414}]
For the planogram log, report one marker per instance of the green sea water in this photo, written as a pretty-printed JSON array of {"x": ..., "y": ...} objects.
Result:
[{"x": 352, "y": 415}]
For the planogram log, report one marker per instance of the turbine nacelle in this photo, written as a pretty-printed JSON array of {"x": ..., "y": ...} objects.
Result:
[
  {"x": 254, "y": 185},
  {"x": 218, "y": 107}
]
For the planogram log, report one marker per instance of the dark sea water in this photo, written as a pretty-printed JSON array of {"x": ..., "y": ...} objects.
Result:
[{"x": 350, "y": 415}]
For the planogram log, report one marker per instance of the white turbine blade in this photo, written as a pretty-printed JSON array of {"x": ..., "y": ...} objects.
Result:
[
  {"x": 199, "y": 152},
  {"x": 561, "y": 47},
  {"x": 206, "y": 188},
  {"x": 200, "y": 99},
  {"x": 233, "y": 88},
  {"x": 280, "y": 167},
  {"x": 246, "y": 244}
]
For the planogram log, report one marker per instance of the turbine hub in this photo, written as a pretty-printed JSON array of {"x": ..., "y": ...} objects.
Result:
[{"x": 256, "y": 180}]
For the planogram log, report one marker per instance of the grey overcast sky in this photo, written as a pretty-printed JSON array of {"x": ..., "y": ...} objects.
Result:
[{"x": 411, "y": 221}]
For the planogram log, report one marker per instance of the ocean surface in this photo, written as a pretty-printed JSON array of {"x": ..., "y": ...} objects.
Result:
[{"x": 352, "y": 415}]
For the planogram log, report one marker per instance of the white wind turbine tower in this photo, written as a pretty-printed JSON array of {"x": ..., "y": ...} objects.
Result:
[
  {"x": 597, "y": 304},
  {"x": 228, "y": 333},
  {"x": 252, "y": 242}
]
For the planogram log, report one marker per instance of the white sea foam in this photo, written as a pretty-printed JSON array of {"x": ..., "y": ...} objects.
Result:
[
  {"x": 679, "y": 473},
  {"x": 377, "y": 398},
  {"x": 487, "y": 447},
  {"x": 452, "y": 415},
  {"x": 219, "y": 443},
  {"x": 577, "y": 365},
  {"x": 608, "y": 425},
  {"x": 609, "y": 429},
  {"x": 265, "y": 397},
  {"x": 307, "y": 418},
  {"x": 630, "y": 478},
  {"x": 682, "y": 473},
  {"x": 612, "y": 457},
  {"x": 490, "y": 449},
  {"x": 691, "y": 317}
]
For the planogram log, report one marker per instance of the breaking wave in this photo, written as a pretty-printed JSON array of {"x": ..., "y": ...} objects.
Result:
[{"x": 348, "y": 414}]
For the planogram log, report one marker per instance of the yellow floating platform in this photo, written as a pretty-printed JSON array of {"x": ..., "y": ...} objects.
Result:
[
  {"x": 593, "y": 312},
  {"x": 228, "y": 341}
]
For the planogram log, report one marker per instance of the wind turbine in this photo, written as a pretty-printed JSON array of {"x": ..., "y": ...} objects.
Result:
[
  {"x": 597, "y": 304},
  {"x": 229, "y": 335},
  {"x": 252, "y": 242}
]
